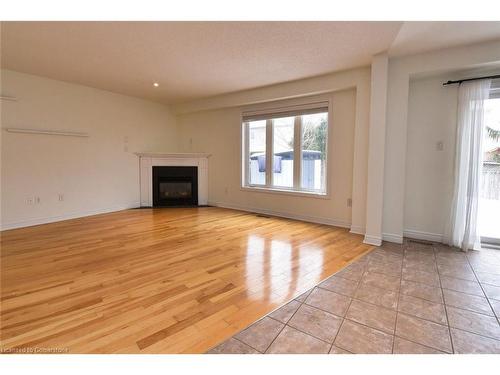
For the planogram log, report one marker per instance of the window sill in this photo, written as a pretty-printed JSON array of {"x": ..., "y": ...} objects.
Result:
[{"x": 286, "y": 192}]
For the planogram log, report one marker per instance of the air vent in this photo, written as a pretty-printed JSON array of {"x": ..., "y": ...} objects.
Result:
[{"x": 421, "y": 242}]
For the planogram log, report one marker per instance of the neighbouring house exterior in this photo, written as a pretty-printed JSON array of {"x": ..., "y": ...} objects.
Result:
[
  {"x": 492, "y": 155},
  {"x": 490, "y": 188},
  {"x": 491, "y": 174},
  {"x": 312, "y": 168}
]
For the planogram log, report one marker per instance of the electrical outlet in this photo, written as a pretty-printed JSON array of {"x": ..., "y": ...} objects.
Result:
[
  {"x": 30, "y": 200},
  {"x": 349, "y": 202},
  {"x": 61, "y": 197},
  {"x": 37, "y": 200}
]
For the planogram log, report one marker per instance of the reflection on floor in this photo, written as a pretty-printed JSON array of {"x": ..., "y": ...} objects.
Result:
[{"x": 410, "y": 298}]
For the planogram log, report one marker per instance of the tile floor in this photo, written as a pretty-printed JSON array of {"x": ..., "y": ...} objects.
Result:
[{"x": 411, "y": 298}]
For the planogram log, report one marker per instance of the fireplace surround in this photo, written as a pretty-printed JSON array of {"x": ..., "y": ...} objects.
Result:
[
  {"x": 175, "y": 186},
  {"x": 177, "y": 189}
]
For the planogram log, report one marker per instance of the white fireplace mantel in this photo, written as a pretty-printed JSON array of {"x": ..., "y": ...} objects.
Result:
[
  {"x": 148, "y": 160},
  {"x": 172, "y": 155}
]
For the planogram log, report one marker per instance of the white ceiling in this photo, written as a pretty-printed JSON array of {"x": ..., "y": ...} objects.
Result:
[
  {"x": 416, "y": 37},
  {"x": 198, "y": 59}
]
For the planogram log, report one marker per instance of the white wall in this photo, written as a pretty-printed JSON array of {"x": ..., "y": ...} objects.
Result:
[
  {"x": 432, "y": 110},
  {"x": 401, "y": 70},
  {"x": 95, "y": 174},
  {"x": 406, "y": 134},
  {"x": 376, "y": 150},
  {"x": 207, "y": 118},
  {"x": 416, "y": 177},
  {"x": 218, "y": 132}
]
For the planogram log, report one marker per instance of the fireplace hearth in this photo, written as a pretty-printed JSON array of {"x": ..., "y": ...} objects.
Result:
[{"x": 175, "y": 186}]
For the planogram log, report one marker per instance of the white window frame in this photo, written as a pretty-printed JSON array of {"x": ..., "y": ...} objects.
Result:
[{"x": 268, "y": 187}]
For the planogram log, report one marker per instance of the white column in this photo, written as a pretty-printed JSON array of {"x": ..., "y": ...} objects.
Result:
[
  {"x": 376, "y": 150},
  {"x": 395, "y": 154},
  {"x": 145, "y": 176},
  {"x": 360, "y": 157}
]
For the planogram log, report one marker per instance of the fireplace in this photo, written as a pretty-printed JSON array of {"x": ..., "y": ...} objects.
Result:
[
  {"x": 189, "y": 168},
  {"x": 175, "y": 186}
]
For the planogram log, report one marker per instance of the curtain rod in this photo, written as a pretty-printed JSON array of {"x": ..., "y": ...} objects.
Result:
[{"x": 469, "y": 79}]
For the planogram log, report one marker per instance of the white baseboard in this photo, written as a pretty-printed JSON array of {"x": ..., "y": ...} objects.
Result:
[
  {"x": 414, "y": 234},
  {"x": 390, "y": 237},
  {"x": 311, "y": 219},
  {"x": 72, "y": 215},
  {"x": 372, "y": 240},
  {"x": 418, "y": 235},
  {"x": 357, "y": 229}
]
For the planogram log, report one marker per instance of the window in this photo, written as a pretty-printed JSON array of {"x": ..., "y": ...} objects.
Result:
[
  {"x": 286, "y": 149},
  {"x": 313, "y": 145},
  {"x": 283, "y": 151},
  {"x": 257, "y": 150}
]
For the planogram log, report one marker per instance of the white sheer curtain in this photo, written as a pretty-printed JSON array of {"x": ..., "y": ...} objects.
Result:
[{"x": 462, "y": 230}]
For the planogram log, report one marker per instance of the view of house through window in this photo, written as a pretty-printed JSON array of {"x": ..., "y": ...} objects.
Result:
[
  {"x": 314, "y": 132},
  {"x": 257, "y": 150},
  {"x": 296, "y": 148},
  {"x": 489, "y": 208},
  {"x": 283, "y": 151}
]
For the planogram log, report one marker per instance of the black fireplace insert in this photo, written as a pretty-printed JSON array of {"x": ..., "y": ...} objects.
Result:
[{"x": 175, "y": 186}]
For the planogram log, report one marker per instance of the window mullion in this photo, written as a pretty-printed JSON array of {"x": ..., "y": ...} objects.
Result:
[
  {"x": 246, "y": 154},
  {"x": 297, "y": 152},
  {"x": 269, "y": 153}
]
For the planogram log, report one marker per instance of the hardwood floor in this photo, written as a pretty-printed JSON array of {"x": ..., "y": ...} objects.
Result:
[{"x": 158, "y": 280}]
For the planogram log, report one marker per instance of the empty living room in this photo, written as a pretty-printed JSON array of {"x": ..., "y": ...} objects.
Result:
[{"x": 212, "y": 184}]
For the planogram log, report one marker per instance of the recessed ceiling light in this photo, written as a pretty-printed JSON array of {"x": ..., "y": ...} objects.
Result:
[{"x": 156, "y": 84}]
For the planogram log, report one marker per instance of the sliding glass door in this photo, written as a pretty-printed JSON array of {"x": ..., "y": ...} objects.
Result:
[{"x": 489, "y": 207}]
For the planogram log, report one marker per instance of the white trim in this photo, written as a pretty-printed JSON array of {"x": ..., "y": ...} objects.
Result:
[
  {"x": 490, "y": 245},
  {"x": 172, "y": 155},
  {"x": 263, "y": 113},
  {"x": 297, "y": 162},
  {"x": 357, "y": 229},
  {"x": 418, "y": 235},
  {"x": 297, "y": 152},
  {"x": 269, "y": 153},
  {"x": 287, "y": 215},
  {"x": 73, "y": 215},
  {"x": 372, "y": 240},
  {"x": 244, "y": 154},
  {"x": 301, "y": 193},
  {"x": 391, "y": 237}
]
